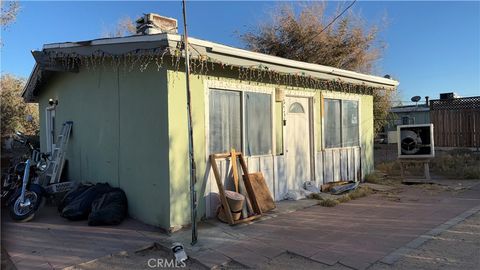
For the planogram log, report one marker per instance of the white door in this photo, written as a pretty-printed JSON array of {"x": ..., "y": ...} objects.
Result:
[{"x": 297, "y": 142}]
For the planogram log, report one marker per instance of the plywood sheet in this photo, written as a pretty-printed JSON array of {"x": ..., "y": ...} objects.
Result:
[{"x": 262, "y": 193}]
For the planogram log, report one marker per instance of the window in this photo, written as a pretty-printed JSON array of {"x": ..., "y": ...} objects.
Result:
[
  {"x": 227, "y": 109},
  {"x": 258, "y": 131},
  {"x": 407, "y": 120},
  {"x": 341, "y": 123},
  {"x": 225, "y": 121},
  {"x": 296, "y": 108},
  {"x": 350, "y": 123}
]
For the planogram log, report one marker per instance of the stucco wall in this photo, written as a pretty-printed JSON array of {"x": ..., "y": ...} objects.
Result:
[
  {"x": 366, "y": 134},
  {"x": 178, "y": 154},
  {"x": 119, "y": 133},
  {"x": 130, "y": 129}
]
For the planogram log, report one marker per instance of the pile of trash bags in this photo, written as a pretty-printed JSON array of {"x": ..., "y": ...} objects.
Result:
[{"x": 101, "y": 204}]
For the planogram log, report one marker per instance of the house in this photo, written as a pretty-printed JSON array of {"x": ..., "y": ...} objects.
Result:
[
  {"x": 126, "y": 96},
  {"x": 407, "y": 115}
]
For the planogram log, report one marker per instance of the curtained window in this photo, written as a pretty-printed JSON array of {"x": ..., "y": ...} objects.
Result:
[
  {"x": 227, "y": 109},
  {"x": 258, "y": 124},
  {"x": 341, "y": 123},
  {"x": 225, "y": 121}
]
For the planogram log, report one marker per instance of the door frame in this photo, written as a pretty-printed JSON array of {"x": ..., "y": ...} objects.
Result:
[
  {"x": 50, "y": 115},
  {"x": 311, "y": 127}
]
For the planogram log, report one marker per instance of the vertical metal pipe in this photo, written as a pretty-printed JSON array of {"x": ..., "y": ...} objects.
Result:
[{"x": 193, "y": 169}]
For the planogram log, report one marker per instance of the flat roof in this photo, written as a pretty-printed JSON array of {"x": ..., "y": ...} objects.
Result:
[{"x": 214, "y": 51}]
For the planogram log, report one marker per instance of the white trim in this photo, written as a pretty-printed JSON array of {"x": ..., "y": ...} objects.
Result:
[
  {"x": 399, "y": 139},
  {"x": 311, "y": 127},
  {"x": 218, "y": 48},
  {"x": 238, "y": 86},
  {"x": 50, "y": 128}
]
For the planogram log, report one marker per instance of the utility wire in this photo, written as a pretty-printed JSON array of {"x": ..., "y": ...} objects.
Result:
[{"x": 334, "y": 19}]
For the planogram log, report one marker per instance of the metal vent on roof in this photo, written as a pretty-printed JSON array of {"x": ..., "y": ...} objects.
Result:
[{"x": 152, "y": 23}]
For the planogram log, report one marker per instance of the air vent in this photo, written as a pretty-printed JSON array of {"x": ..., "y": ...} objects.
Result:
[{"x": 152, "y": 23}]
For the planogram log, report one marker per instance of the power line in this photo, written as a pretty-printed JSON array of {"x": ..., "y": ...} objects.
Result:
[{"x": 334, "y": 19}]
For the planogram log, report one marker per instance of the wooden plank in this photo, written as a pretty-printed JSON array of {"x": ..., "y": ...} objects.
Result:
[
  {"x": 262, "y": 193},
  {"x": 221, "y": 190},
  {"x": 234, "y": 169},
  {"x": 250, "y": 218},
  {"x": 248, "y": 186}
]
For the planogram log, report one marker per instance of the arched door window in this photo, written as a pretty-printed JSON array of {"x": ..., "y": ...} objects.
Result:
[{"x": 296, "y": 108}]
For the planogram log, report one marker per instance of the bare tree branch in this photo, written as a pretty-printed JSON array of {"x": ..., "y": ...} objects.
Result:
[
  {"x": 9, "y": 12},
  {"x": 348, "y": 43}
]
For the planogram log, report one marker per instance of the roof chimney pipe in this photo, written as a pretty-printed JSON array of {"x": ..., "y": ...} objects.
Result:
[{"x": 427, "y": 98}]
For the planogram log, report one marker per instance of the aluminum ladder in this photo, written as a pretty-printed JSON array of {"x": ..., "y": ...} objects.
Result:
[{"x": 59, "y": 152}]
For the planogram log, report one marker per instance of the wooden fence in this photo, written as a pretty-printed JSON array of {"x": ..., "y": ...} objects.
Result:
[{"x": 456, "y": 122}]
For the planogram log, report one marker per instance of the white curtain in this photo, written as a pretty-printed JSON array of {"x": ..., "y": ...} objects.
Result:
[
  {"x": 258, "y": 121},
  {"x": 225, "y": 121}
]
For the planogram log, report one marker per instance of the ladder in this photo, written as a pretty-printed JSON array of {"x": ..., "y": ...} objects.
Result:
[{"x": 58, "y": 154}]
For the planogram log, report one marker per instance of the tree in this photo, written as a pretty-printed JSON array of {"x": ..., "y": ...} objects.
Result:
[
  {"x": 124, "y": 27},
  {"x": 306, "y": 36},
  {"x": 14, "y": 111},
  {"x": 9, "y": 12}
]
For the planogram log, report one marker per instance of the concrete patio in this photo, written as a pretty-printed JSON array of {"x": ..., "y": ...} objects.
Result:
[{"x": 356, "y": 234}]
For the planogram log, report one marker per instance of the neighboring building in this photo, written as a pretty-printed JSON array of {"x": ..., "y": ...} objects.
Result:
[
  {"x": 406, "y": 115},
  {"x": 126, "y": 96}
]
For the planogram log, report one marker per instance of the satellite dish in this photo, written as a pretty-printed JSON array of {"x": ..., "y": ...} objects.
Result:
[{"x": 416, "y": 98}]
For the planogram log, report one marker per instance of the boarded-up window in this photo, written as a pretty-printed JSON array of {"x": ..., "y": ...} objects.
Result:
[
  {"x": 225, "y": 121},
  {"x": 341, "y": 123},
  {"x": 258, "y": 124}
]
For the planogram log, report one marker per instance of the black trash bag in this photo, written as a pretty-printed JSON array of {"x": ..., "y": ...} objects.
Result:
[
  {"x": 109, "y": 209},
  {"x": 80, "y": 207},
  {"x": 71, "y": 195}
]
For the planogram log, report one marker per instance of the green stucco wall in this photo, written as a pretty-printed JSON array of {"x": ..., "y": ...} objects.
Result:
[
  {"x": 179, "y": 147},
  {"x": 119, "y": 134},
  {"x": 366, "y": 134},
  {"x": 178, "y": 133},
  {"x": 130, "y": 130}
]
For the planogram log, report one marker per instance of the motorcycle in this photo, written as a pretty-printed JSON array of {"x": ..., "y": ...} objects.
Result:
[{"x": 22, "y": 190}]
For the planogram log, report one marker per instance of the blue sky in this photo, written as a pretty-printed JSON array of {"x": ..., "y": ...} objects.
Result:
[{"x": 432, "y": 47}]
